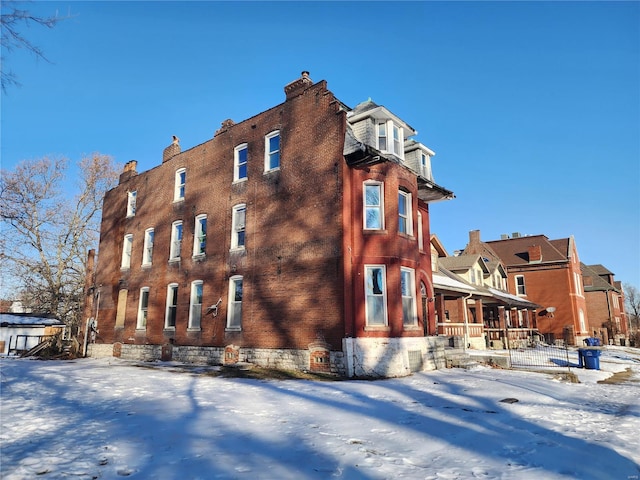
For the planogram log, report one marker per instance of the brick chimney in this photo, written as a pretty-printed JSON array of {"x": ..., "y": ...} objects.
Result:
[
  {"x": 298, "y": 86},
  {"x": 129, "y": 171},
  {"x": 535, "y": 253},
  {"x": 474, "y": 237},
  {"x": 172, "y": 150}
]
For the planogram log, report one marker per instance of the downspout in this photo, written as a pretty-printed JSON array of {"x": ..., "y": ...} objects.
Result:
[{"x": 91, "y": 322}]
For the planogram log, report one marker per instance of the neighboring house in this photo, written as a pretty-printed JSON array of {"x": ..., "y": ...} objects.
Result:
[
  {"x": 21, "y": 332},
  {"x": 605, "y": 305},
  {"x": 545, "y": 272},
  {"x": 471, "y": 301},
  {"x": 296, "y": 238}
]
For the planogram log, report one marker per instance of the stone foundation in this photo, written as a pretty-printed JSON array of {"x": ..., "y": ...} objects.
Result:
[{"x": 286, "y": 359}]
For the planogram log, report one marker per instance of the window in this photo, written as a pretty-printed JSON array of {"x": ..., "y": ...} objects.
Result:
[
  {"x": 181, "y": 180},
  {"x": 373, "y": 206},
  {"x": 472, "y": 273},
  {"x": 420, "y": 234},
  {"x": 396, "y": 144},
  {"x": 272, "y": 151},
  {"x": 126, "y": 251},
  {"x": 238, "y": 226},
  {"x": 200, "y": 236},
  {"x": 176, "y": 240},
  {"x": 131, "y": 203},
  {"x": 147, "y": 252},
  {"x": 407, "y": 287},
  {"x": 520, "y": 289},
  {"x": 405, "y": 224},
  {"x": 376, "y": 297},
  {"x": 172, "y": 306},
  {"x": 397, "y": 140},
  {"x": 382, "y": 136},
  {"x": 234, "y": 313},
  {"x": 143, "y": 307},
  {"x": 424, "y": 166},
  {"x": 195, "y": 305},
  {"x": 583, "y": 327},
  {"x": 240, "y": 162},
  {"x": 578, "y": 283}
]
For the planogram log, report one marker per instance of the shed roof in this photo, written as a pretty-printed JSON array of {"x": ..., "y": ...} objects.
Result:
[{"x": 24, "y": 320}]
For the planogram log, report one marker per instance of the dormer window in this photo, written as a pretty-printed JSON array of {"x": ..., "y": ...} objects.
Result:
[{"x": 390, "y": 138}]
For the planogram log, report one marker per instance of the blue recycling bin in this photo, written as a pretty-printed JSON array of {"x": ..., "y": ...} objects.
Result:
[
  {"x": 592, "y": 341},
  {"x": 591, "y": 358}
]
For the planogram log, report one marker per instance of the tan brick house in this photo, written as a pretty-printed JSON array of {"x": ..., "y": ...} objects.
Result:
[
  {"x": 546, "y": 272},
  {"x": 296, "y": 238}
]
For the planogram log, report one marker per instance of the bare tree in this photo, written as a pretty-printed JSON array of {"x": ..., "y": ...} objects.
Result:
[
  {"x": 632, "y": 301},
  {"x": 47, "y": 233},
  {"x": 12, "y": 20}
]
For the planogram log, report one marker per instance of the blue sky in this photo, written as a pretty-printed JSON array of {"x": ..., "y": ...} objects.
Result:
[{"x": 533, "y": 109}]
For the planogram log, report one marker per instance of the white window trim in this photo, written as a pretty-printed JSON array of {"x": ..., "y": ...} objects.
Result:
[
  {"x": 524, "y": 286},
  {"x": 147, "y": 259},
  {"x": 140, "y": 319},
  {"x": 131, "y": 203},
  {"x": 234, "y": 226},
  {"x": 367, "y": 268},
  {"x": 174, "y": 240},
  {"x": 192, "y": 304},
  {"x": 232, "y": 303},
  {"x": 389, "y": 126},
  {"x": 197, "y": 232},
  {"x": 236, "y": 162},
  {"x": 267, "y": 153},
  {"x": 412, "y": 294},
  {"x": 409, "y": 217},
  {"x": 127, "y": 249},
  {"x": 380, "y": 207},
  {"x": 176, "y": 191},
  {"x": 170, "y": 288}
]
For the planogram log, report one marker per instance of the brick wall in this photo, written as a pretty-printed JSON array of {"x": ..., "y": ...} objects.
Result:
[{"x": 292, "y": 263}]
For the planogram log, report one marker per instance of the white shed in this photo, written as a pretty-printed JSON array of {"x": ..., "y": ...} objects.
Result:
[{"x": 20, "y": 332}]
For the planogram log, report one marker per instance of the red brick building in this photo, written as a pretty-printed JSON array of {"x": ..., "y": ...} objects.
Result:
[
  {"x": 296, "y": 238},
  {"x": 545, "y": 272},
  {"x": 605, "y": 305}
]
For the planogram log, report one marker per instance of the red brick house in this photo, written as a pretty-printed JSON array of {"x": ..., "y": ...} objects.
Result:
[
  {"x": 297, "y": 238},
  {"x": 605, "y": 305},
  {"x": 546, "y": 272}
]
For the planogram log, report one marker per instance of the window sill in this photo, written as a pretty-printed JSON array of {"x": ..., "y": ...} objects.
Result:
[
  {"x": 175, "y": 260},
  {"x": 141, "y": 329},
  {"x": 411, "y": 327},
  {"x": 125, "y": 269},
  {"x": 239, "y": 180},
  {"x": 377, "y": 231},
  {"x": 178, "y": 200},
  {"x": 199, "y": 258},
  {"x": 146, "y": 265},
  {"x": 169, "y": 329},
  {"x": 377, "y": 328},
  {"x": 277, "y": 169},
  {"x": 194, "y": 329},
  {"x": 408, "y": 236},
  {"x": 237, "y": 249},
  {"x": 233, "y": 329}
]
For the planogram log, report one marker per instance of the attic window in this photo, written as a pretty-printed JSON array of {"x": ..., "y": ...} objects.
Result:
[{"x": 390, "y": 138}]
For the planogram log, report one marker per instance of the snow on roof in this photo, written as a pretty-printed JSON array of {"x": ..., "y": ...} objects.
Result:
[
  {"x": 440, "y": 280},
  {"x": 11, "y": 319}
]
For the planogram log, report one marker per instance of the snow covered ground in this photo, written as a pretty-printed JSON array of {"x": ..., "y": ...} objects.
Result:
[{"x": 111, "y": 419}]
